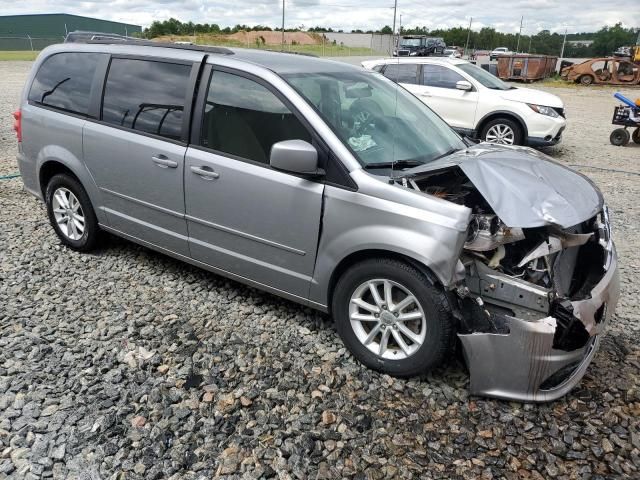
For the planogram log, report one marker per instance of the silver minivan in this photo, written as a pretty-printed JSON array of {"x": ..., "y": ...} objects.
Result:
[{"x": 328, "y": 185}]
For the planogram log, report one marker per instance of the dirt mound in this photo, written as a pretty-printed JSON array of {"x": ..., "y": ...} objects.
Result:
[{"x": 275, "y": 38}]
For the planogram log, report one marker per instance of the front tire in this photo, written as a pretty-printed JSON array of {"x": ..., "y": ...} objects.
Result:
[
  {"x": 391, "y": 318},
  {"x": 71, "y": 213},
  {"x": 636, "y": 135},
  {"x": 502, "y": 131},
  {"x": 586, "y": 80}
]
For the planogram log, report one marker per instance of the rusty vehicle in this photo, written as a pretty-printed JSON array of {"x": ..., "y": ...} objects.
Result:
[
  {"x": 603, "y": 71},
  {"x": 526, "y": 68}
]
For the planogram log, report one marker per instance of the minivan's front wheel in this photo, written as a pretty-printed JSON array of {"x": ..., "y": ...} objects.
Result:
[
  {"x": 70, "y": 213},
  {"x": 392, "y": 318},
  {"x": 502, "y": 131}
]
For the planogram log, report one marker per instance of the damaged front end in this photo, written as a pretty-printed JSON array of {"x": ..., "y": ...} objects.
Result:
[{"x": 538, "y": 290}]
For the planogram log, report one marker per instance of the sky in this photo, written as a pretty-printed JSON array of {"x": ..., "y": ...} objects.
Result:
[{"x": 503, "y": 15}]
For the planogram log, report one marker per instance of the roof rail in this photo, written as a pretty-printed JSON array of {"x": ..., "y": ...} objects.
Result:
[{"x": 114, "y": 38}]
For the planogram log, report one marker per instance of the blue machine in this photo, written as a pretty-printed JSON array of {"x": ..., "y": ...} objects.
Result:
[{"x": 626, "y": 115}]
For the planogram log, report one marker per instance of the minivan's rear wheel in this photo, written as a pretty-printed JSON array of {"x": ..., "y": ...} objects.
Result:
[
  {"x": 70, "y": 212},
  {"x": 502, "y": 131},
  {"x": 392, "y": 318}
]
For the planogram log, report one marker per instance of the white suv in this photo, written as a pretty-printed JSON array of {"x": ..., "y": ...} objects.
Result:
[{"x": 476, "y": 103}]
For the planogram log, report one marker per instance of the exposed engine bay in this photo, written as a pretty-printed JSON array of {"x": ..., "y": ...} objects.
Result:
[{"x": 534, "y": 284}]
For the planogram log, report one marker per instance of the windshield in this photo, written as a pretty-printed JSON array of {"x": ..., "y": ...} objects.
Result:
[
  {"x": 484, "y": 77},
  {"x": 378, "y": 120},
  {"x": 410, "y": 42}
]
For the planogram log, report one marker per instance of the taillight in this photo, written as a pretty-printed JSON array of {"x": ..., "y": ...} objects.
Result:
[{"x": 17, "y": 124}]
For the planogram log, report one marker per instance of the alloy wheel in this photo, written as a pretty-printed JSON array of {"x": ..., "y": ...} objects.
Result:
[
  {"x": 501, "y": 134},
  {"x": 387, "y": 319},
  {"x": 68, "y": 213}
]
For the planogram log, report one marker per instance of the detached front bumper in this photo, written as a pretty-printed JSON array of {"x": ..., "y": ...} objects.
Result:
[{"x": 523, "y": 364}]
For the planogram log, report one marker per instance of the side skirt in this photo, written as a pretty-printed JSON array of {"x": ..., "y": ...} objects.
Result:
[{"x": 218, "y": 271}]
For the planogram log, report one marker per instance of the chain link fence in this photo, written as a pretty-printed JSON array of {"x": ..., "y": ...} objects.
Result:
[{"x": 27, "y": 42}]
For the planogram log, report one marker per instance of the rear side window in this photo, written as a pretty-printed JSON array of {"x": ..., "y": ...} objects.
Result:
[
  {"x": 402, "y": 73},
  {"x": 64, "y": 81},
  {"x": 146, "y": 95},
  {"x": 438, "y": 76},
  {"x": 244, "y": 118}
]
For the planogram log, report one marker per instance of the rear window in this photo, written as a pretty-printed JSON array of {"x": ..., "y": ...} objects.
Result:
[
  {"x": 64, "y": 81},
  {"x": 402, "y": 72},
  {"x": 146, "y": 95}
]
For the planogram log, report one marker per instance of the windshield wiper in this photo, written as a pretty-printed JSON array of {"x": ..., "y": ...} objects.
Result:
[
  {"x": 445, "y": 154},
  {"x": 394, "y": 164}
]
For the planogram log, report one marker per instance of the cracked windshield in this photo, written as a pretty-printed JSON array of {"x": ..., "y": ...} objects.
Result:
[{"x": 382, "y": 124}]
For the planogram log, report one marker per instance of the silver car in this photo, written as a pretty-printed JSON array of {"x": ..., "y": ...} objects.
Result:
[{"x": 328, "y": 185}]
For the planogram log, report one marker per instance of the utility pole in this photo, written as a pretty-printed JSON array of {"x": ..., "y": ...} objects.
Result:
[
  {"x": 466, "y": 45},
  {"x": 519, "y": 33},
  {"x": 393, "y": 31},
  {"x": 563, "y": 42},
  {"x": 530, "y": 37},
  {"x": 400, "y": 27},
  {"x": 282, "y": 47}
]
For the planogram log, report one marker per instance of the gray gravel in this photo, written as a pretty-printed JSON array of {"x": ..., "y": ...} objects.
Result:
[{"x": 127, "y": 364}]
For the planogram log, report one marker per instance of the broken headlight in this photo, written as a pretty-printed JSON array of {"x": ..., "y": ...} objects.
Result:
[{"x": 487, "y": 232}]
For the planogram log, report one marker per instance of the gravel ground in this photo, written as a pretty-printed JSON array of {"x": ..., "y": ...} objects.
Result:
[{"x": 128, "y": 364}]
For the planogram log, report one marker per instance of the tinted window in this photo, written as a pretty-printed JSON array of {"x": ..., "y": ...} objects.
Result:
[
  {"x": 401, "y": 73},
  {"x": 437, "y": 76},
  {"x": 244, "y": 118},
  {"x": 64, "y": 81},
  {"x": 147, "y": 96}
]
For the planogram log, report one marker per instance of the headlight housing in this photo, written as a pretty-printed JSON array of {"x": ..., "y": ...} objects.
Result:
[
  {"x": 413, "y": 54},
  {"x": 486, "y": 232},
  {"x": 543, "y": 110}
]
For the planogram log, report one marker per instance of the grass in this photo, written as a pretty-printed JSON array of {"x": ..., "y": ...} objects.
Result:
[
  {"x": 18, "y": 55},
  {"x": 326, "y": 50}
]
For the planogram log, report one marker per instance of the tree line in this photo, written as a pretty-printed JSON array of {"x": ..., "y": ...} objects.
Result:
[{"x": 605, "y": 40}]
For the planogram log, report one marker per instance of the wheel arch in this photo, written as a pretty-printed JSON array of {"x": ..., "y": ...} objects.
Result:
[
  {"x": 503, "y": 114},
  {"x": 362, "y": 255},
  {"x": 49, "y": 167}
]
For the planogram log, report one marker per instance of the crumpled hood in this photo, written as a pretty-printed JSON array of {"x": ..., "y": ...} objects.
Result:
[
  {"x": 524, "y": 187},
  {"x": 529, "y": 95}
]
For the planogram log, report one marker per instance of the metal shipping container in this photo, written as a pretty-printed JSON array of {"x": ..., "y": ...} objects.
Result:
[{"x": 527, "y": 68}]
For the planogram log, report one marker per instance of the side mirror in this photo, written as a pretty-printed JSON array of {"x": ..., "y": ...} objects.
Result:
[
  {"x": 295, "y": 156},
  {"x": 464, "y": 85}
]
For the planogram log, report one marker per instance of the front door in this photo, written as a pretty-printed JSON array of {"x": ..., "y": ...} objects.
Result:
[
  {"x": 243, "y": 216},
  {"x": 136, "y": 152}
]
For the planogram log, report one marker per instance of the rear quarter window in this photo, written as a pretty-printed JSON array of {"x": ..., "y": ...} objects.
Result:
[{"x": 64, "y": 81}]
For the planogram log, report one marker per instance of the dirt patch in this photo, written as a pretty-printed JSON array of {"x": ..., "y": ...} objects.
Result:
[{"x": 275, "y": 38}]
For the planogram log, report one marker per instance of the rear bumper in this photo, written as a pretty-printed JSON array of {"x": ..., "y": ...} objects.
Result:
[
  {"x": 522, "y": 365},
  {"x": 29, "y": 175}
]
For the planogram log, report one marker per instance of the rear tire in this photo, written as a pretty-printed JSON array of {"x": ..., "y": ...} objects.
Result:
[
  {"x": 71, "y": 213},
  {"x": 620, "y": 137},
  {"x": 419, "y": 332},
  {"x": 636, "y": 135},
  {"x": 586, "y": 80},
  {"x": 502, "y": 131}
]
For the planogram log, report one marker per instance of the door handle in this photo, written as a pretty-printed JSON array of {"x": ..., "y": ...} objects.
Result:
[
  {"x": 164, "y": 162},
  {"x": 205, "y": 173},
  {"x": 424, "y": 94}
]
